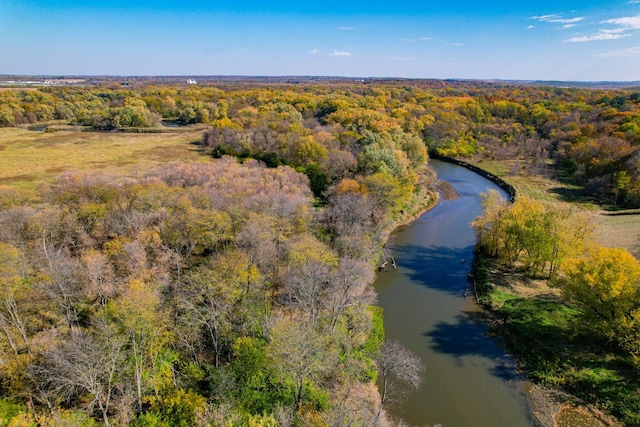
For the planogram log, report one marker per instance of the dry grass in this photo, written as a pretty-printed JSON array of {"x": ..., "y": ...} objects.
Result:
[
  {"x": 28, "y": 157},
  {"x": 515, "y": 280},
  {"x": 619, "y": 231},
  {"x": 537, "y": 186}
]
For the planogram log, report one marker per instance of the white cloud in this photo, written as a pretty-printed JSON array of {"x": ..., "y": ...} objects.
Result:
[
  {"x": 629, "y": 22},
  {"x": 601, "y": 35},
  {"x": 545, "y": 17},
  {"x": 530, "y": 27},
  {"x": 558, "y": 19},
  {"x": 634, "y": 2},
  {"x": 632, "y": 52},
  {"x": 567, "y": 26},
  {"x": 625, "y": 24},
  {"x": 567, "y": 21},
  {"x": 418, "y": 39},
  {"x": 313, "y": 52},
  {"x": 340, "y": 53},
  {"x": 346, "y": 28}
]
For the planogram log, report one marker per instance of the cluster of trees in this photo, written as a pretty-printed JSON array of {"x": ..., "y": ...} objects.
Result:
[
  {"x": 591, "y": 135},
  {"x": 546, "y": 239},
  {"x": 540, "y": 237},
  {"x": 195, "y": 294},
  {"x": 326, "y": 149},
  {"x": 605, "y": 283}
]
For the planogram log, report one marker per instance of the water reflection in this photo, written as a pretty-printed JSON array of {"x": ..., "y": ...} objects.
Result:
[{"x": 469, "y": 379}]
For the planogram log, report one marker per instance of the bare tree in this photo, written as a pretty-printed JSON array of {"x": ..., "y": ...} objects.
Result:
[
  {"x": 101, "y": 284},
  {"x": 300, "y": 355},
  {"x": 59, "y": 278},
  {"x": 12, "y": 289},
  {"x": 399, "y": 369},
  {"x": 79, "y": 367},
  {"x": 350, "y": 286},
  {"x": 307, "y": 286}
]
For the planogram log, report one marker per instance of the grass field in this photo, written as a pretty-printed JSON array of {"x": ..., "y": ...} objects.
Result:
[{"x": 30, "y": 157}]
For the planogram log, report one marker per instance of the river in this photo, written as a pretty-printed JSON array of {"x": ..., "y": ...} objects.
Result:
[{"x": 469, "y": 380}]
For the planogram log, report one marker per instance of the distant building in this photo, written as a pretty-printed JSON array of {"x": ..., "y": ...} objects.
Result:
[{"x": 192, "y": 82}]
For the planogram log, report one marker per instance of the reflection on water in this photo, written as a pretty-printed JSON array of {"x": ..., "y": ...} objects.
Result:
[{"x": 469, "y": 379}]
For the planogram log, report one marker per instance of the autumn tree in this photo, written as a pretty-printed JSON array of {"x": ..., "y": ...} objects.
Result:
[
  {"x": 219, "y": 302},
  {"x": 82, "y": 368},
  {"x": 399, "y": 369},
  {"x": 13, "y": 288},
  {"x": 299, "y": 356},
  {"x": 606, "y": 284},
  {"x": 137, "y": 315}
]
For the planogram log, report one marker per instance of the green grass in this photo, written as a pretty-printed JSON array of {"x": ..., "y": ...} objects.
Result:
[
  {"x": 550, "y": 344},
  {"x": 547, "y": 339},
  {"x": 30, "y": 157}
]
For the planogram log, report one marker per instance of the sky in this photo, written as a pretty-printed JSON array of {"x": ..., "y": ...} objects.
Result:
[{"x": 443, "y": 39}]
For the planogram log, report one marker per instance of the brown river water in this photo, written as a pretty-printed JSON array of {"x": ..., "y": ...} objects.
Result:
[{"x": 469, "y": 379}]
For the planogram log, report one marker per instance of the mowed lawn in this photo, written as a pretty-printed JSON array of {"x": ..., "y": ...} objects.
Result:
[{"x": 30, "y": 157}]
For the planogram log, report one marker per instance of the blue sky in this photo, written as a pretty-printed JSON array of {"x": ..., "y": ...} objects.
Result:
[{"x": 543, "y": 40}]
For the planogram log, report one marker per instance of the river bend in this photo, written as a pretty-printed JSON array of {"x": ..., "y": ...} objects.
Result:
[{"x": 469, "y": 380}]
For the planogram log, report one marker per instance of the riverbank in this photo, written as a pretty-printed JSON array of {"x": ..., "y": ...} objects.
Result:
[
  {"x": 537, "y": 329},
  {"x": 426, "y": 311},
  {"x": 509, "y": 296},
  {"x": 504, "y": 185}
]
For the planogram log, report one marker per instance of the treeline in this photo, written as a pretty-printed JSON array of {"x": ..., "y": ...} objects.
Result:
[
  {"x": 527, "y": 232},
  {"x": 195, "y": 294},
  {"x": 592, "y": 136}
]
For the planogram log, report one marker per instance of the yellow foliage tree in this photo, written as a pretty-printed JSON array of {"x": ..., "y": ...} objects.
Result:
[{"x": 606, "y": 284}]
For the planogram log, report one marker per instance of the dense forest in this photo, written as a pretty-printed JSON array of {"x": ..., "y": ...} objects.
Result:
[
  {"x": 216, "y": 293},
  {"x": 237, "y": 291},
  {"x": 590, "y": 136}
]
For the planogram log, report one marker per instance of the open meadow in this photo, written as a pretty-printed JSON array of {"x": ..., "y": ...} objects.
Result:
[{"x": 29, "y": 157}]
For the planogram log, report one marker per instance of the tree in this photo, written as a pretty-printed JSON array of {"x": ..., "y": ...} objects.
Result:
[
  {"x": 399, "y": 369},
  {"x": 102, "y": 284},
  {"x": 59, "y": 278},
  {"x": 12, "y": 288},
  {"x": 307, "y": 284},
  {"x": 488, "y": 226},
  {"x": 606, "y": 284},
  {"x": 143, "y": 324},
  {"x": 216, "y": 301},
  {"x": 82, "y": 367},
  {"x": 350, "y": 286},
  {"x": 299, "y": 355}
]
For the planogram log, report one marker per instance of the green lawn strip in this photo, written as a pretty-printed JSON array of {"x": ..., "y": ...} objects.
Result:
[{"x": 551, "y": 347}]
